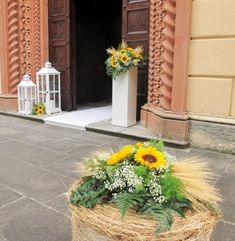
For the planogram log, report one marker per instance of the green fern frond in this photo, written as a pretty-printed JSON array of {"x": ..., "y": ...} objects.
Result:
[{"x": 125, "y": 201}]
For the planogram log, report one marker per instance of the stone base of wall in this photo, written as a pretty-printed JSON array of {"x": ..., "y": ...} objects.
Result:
[
  {"x": 8, "y": 102},
  {"x": 214, "y": 136},
  {"x": 166, "y": 124}
]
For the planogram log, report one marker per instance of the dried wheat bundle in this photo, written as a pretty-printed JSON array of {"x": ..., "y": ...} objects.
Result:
[{"x": 104, "y": 223}]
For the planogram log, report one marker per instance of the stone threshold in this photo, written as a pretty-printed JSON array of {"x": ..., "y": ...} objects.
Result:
[{"x": 137, "y": 132}]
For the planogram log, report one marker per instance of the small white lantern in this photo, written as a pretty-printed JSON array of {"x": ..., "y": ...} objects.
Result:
[
  {"x": 26, "y": 91},
  {"x": 48, "y": 87}
]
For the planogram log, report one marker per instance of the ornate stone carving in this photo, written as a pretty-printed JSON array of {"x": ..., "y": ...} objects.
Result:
[
  {"x": 156, "y": 49},
  {"x": 161, "y": 52},
  {"x": 23, "y": 39},
  {"x": 13, "y": 45},
  {"x": 26, "y": 44},
  {"x": 168, "y": 54},
  {"x": 36, "y": 17}
]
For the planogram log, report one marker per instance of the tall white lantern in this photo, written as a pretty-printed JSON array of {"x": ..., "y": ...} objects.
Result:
[
  {"x": 26, "y": 91},
  {"x": 48, "y": 87}
]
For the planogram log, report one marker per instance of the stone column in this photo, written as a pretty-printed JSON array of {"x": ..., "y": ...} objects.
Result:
[{"x": 164, "y": 114}]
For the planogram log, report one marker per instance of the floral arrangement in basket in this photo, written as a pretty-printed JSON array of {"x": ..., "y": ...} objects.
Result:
[
  {"x": 120, "y": 60},
  {"x": 39, "y": 109},
  {"x": 145, "y": 179}
]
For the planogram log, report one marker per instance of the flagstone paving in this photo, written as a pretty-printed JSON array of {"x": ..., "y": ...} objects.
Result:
[{"x": 37, "y": 167}]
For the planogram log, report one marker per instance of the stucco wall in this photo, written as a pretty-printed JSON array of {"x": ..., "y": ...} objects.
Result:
[{"x": 211, "y": 83}]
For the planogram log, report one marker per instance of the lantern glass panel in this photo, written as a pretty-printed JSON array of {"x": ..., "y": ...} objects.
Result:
[
  {"x": 43, "y": 83},
  {"x": 28, "y": 92},
  {"x": 22, "y": 93},
  {"x": 57, "y": 100},
  {"x": 51, "y": 83},
  {"x": 56, "y": 83},
  {"x": 39, "y": 83},
  {"x": 51, "y": 96},
  {"x": 21, "y": 105}
]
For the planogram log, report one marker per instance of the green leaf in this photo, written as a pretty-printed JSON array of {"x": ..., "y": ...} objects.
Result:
[
  {"x": 141, "y": 171},
  {"x": 164, "y": 222},
  {"x": 109, "y": 169},
  {"x": 158, "y": 144},
  {"x": 89, "y": 193},
  {"x": 172, "y": 187},
  {"x": 75, "y": 196},
  {"x": 125, "y": 201}
]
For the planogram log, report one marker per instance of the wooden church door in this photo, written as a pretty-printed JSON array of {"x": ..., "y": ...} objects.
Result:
[
  {"x": 59, "y": 47},
  {"x": 135, "y": 30}
]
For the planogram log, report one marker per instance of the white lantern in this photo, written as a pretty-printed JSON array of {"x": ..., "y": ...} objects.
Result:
[
  {"x": 48, "y": 86},
  {"x": 26, "y": 91}
]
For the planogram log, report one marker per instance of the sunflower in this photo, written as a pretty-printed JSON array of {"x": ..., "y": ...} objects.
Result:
[
  {"x": 40, "y": 107},
  {"x": 40, "y": 111},
  {"x": 113, "y": 63},
  {"x": 122, "y": 51},
  {"x": 124, "y": 58},
  {"x": 150, "y": 157},
  {"x": 130, "y": 50},
  {"x": 35, "y": 109},
  {"x": 120, "y": 155}
]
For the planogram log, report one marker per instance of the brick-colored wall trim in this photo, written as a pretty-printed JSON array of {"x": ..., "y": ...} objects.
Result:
[
  {"x": 26, "y": 43},
  {"x": 164, "y": 113},
  {"x": 27, "y": 39},
  {"x": 166, "y": 124},
  {"x": 8, "y": 102}
]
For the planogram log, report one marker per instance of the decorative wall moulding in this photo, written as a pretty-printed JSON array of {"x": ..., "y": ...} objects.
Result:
[
  {"x": 168, "y": 125},
  {"x": 23, "y": 38}
]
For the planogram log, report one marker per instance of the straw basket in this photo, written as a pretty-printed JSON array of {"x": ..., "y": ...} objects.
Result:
[{"x": 104, "y": 223}]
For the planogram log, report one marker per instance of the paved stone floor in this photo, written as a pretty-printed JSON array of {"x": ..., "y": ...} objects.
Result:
[{"x": 37, "y": 167}]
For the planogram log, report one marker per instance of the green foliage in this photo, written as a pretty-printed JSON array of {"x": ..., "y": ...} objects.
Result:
[
  {"x": 171, "y": 187},
  {"x": 158, "y": 144},
  {"x": 141, "y": 171},
  {"x": 88, "y": 194},
  {"x": 109, "y": 170},
  {"x": 178, "y": 207},
  {"x": 164, "y": 213},
  {"x": 125, "y": 201},
  {"x": 93, "y": 163}
]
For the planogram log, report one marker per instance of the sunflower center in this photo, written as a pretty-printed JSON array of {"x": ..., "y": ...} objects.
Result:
[{"x": 149, "y": 158}]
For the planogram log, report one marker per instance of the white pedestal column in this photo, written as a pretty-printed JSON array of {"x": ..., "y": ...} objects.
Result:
[{"x": 124, "y": 97}]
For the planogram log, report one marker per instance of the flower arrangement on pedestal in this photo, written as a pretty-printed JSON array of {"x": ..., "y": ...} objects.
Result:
[
  {"x": 120, "y": 60},
  {"x": 158, "y": 197},
  {"x": 122, "y": 65}
]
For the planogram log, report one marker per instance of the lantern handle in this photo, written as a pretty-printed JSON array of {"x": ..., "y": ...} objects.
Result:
[{"x": 48, "y": 64}]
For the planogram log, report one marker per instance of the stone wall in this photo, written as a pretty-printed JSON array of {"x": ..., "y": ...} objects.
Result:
[
  {"x": 211, "y": 83},
  {"x": 212, "y": 135}
]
